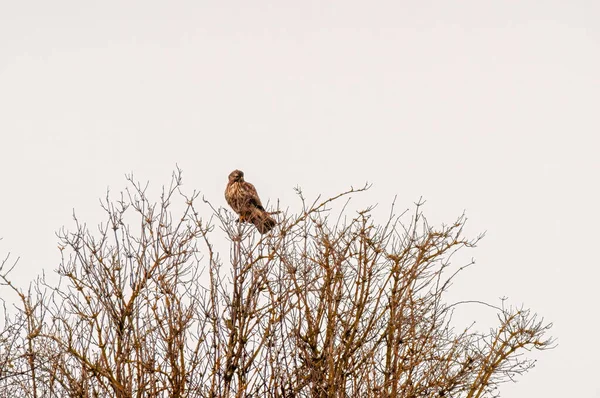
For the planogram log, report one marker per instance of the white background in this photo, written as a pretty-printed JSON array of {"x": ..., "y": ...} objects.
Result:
[{"x": 492, "y": 107}]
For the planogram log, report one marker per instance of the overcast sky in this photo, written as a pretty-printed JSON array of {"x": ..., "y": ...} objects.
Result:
[{"x": 492, "y": 107}]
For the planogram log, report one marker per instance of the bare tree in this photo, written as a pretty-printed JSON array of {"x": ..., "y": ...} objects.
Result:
[{"x": 323, "y": 306}]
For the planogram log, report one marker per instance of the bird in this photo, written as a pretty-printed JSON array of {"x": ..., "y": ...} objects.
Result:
[{"x": 244, "y": 200}]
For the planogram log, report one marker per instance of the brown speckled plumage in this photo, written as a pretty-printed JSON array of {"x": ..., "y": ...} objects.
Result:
[{"x": 244, "y": 200}]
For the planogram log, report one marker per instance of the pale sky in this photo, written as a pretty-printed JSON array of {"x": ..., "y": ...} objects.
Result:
[{"x": 492, "y": 107}]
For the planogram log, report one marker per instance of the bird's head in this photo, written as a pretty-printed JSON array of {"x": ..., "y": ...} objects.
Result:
[{"x": 236, "y": 176}]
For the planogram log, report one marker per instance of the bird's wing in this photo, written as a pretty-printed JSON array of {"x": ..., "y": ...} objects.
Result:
[{"x": 253, "y": 198}]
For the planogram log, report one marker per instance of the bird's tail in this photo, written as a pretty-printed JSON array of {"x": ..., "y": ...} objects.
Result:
[{"x": 263, "y": 221}]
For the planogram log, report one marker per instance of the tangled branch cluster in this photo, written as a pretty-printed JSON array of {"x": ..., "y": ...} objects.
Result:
[{"x": 317, "y": 308}]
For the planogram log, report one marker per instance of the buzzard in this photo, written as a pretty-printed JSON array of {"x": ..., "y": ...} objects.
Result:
[{"x": 244, "y": 200}]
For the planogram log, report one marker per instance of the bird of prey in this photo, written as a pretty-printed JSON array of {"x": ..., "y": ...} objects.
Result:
[{"x": 244, "y": 200}]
